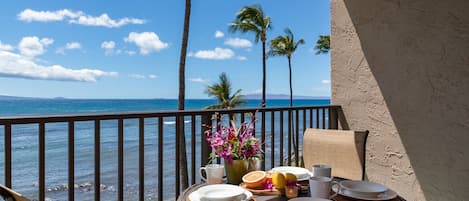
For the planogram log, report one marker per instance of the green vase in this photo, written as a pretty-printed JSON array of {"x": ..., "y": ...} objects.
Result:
[{"x": 236, "y": 170}]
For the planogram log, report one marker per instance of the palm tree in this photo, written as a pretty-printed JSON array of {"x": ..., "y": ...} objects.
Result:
[
  {"x": 182, "y": 88},
  {"x": 252, "y": 19},
  {"x": 222, "y": 92},
  {"x": 323, "y": 44},
  {"x": 285, "y": 46}
]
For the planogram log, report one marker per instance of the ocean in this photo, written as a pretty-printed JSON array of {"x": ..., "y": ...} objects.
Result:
[{"x": 25, "y": 146}]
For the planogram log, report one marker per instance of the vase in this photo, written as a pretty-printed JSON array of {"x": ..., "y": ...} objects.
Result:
[
  {"x": 235, "y": 171},
  {"x": 238, "y": 168}
]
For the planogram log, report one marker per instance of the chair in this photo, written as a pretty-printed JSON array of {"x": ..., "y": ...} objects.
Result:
[
  {"x": 10, "y": 195},
  {"x": 344, "y": 150}
]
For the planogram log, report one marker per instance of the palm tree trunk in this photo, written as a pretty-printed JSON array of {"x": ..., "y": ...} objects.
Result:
[
  {"x": 291, "y": 89},
  {"x": 263, "y": 73},
  {"x": 291, "y": 104},
  {"x": 181, "y": 98}
]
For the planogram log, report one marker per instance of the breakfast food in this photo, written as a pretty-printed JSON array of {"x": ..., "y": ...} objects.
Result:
[
  {"x": 290, "y": 178},
  {"x": 254, "y": 179},
  {"x": 278, "y": 179}
]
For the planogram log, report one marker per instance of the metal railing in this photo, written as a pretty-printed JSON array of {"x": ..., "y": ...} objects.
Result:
[{"x": 278, "y": 127}]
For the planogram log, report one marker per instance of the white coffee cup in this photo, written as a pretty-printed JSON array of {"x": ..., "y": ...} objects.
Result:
[
  {"x": 320, "y": 170},
  {"x": 214, "y": 173},
  {"x": 320, "y": 187}
]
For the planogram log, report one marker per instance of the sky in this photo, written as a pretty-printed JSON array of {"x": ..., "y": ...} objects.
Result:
[{"x": 130, "y": 49}]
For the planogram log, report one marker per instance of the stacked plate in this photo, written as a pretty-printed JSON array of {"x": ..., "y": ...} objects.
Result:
[
  {"x": 302, "y": 174},
  {"x": 220, "y": 192},
  {"x": 365, "y": 190}
]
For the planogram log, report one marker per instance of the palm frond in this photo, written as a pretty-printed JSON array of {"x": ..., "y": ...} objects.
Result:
[
  {"x": 222, "y": 92},
  {"x": 284, "y": 45},
  {"x": 323, "y": 44},
  {"x": 251, "y": 19}
]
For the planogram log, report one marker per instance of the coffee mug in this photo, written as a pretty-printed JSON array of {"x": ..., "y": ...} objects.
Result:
[
  {"x": 321, "y": 170},
  {"x": 213, "y": 172},
  {"x": 320, "y": 187}
]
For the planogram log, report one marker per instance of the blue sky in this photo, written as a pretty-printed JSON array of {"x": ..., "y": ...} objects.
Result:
[{"x": 123, "y": 49}]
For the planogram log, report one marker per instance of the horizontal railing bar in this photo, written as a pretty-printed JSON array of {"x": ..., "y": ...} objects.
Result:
[{"x": 136, "y": 115}]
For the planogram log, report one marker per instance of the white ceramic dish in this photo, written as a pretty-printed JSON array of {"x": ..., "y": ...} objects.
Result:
[
  {"x": 363, "y": 188},
  {"x": 389, "y": 194},
  {"x": 302, "y": 174},
  {"x": 220, "y": 192}
]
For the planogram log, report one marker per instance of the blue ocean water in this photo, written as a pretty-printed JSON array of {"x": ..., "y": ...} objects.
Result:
[{"x": 25, "y": 146}]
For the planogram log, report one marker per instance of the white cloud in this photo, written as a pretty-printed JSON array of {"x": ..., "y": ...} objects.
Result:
[
  {"x": 68, "y": 46},
  {"x": 238, "y": 43},
  {"x": 76, "y": 17},
  {"x": 29, "y": 15},
  {"x": 72, "y": 46},
  {"x": 129, "y": 52},
  {"x": 47, "y": 41},
  {"x": 33, "y": 46},
  {"x": 147, "y": 41},
  {"x": 5, "y": 47},
  {"x": 140, "y": 76},
  {"x": 219, "y": 34},
  {"x": 108, "y": 47},
  {"x": 19, "y": 66},
  {"x": 198, "y": 79},
  {"x": 241, "y": 58},
  {"x": 216, "y": 54},
  {"x": 325, "y": 81},
  {"x": 137, "y": 76},
  {"x": 105, "y": 21}
]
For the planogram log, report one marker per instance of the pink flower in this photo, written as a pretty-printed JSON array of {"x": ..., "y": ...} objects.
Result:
[{"x": 230, "y": 143}]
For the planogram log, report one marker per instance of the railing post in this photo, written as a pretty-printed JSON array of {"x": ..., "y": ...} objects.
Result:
[
  {"x": 333, "y": 118},
  {"x": 204, "y": 147}
]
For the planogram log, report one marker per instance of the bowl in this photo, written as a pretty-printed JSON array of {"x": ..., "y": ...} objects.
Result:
[{"x": 221, "y": 192}]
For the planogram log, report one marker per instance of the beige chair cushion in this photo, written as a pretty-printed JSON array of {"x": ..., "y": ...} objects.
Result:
[{"x": 341, "y": 149}]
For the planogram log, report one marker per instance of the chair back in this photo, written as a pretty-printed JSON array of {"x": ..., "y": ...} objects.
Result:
[
  {"x": 10, "y": 195},
  {"x": 343, "y": 150}
]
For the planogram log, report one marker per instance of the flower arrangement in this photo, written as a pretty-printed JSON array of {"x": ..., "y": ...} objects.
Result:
[{"x": 233, "y": 143}]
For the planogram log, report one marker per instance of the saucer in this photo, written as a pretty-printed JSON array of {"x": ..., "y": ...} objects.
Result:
[{"x": 388, "y": 195}]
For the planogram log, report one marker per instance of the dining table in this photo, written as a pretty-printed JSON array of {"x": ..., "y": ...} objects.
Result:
[{"x": 184, "y": 196}]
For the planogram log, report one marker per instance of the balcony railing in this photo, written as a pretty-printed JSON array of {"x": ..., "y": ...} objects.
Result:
[{"x": 277, "y": 127}]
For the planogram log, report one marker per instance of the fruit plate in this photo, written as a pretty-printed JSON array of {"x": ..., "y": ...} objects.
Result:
[{"x": 274, "y": 191}]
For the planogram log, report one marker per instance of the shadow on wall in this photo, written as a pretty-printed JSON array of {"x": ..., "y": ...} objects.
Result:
[{"x": 418, "y": 52}]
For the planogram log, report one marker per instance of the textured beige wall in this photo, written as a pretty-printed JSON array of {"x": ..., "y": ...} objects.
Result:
[{"x": 400, "y": 69}]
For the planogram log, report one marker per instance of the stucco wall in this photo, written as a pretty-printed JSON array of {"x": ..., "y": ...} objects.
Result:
[{"x": 400, "y": 69}]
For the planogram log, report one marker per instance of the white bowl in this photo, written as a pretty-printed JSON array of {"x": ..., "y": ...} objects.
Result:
[
  {"x": 362, "y": 189},
  {"x": 221, "y": 192}
]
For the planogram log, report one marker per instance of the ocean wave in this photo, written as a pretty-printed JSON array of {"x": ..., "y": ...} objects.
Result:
[
  {"x": 84, "y": 187},
  {"x": 174, "y": 122}
]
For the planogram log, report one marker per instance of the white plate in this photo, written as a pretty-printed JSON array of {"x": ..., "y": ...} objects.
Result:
[
  {"x": 220, "y": 192},
  {"x": 302, "y": 174},
  {"x": 362, "y": 188},
  {"x": 390, "y": 194}
]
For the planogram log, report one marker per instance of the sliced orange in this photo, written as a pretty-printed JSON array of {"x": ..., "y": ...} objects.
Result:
[{"x": 254, "y": 179}]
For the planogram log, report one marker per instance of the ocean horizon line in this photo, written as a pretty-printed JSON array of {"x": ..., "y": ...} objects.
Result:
[{"x": 248, "y": 97}]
